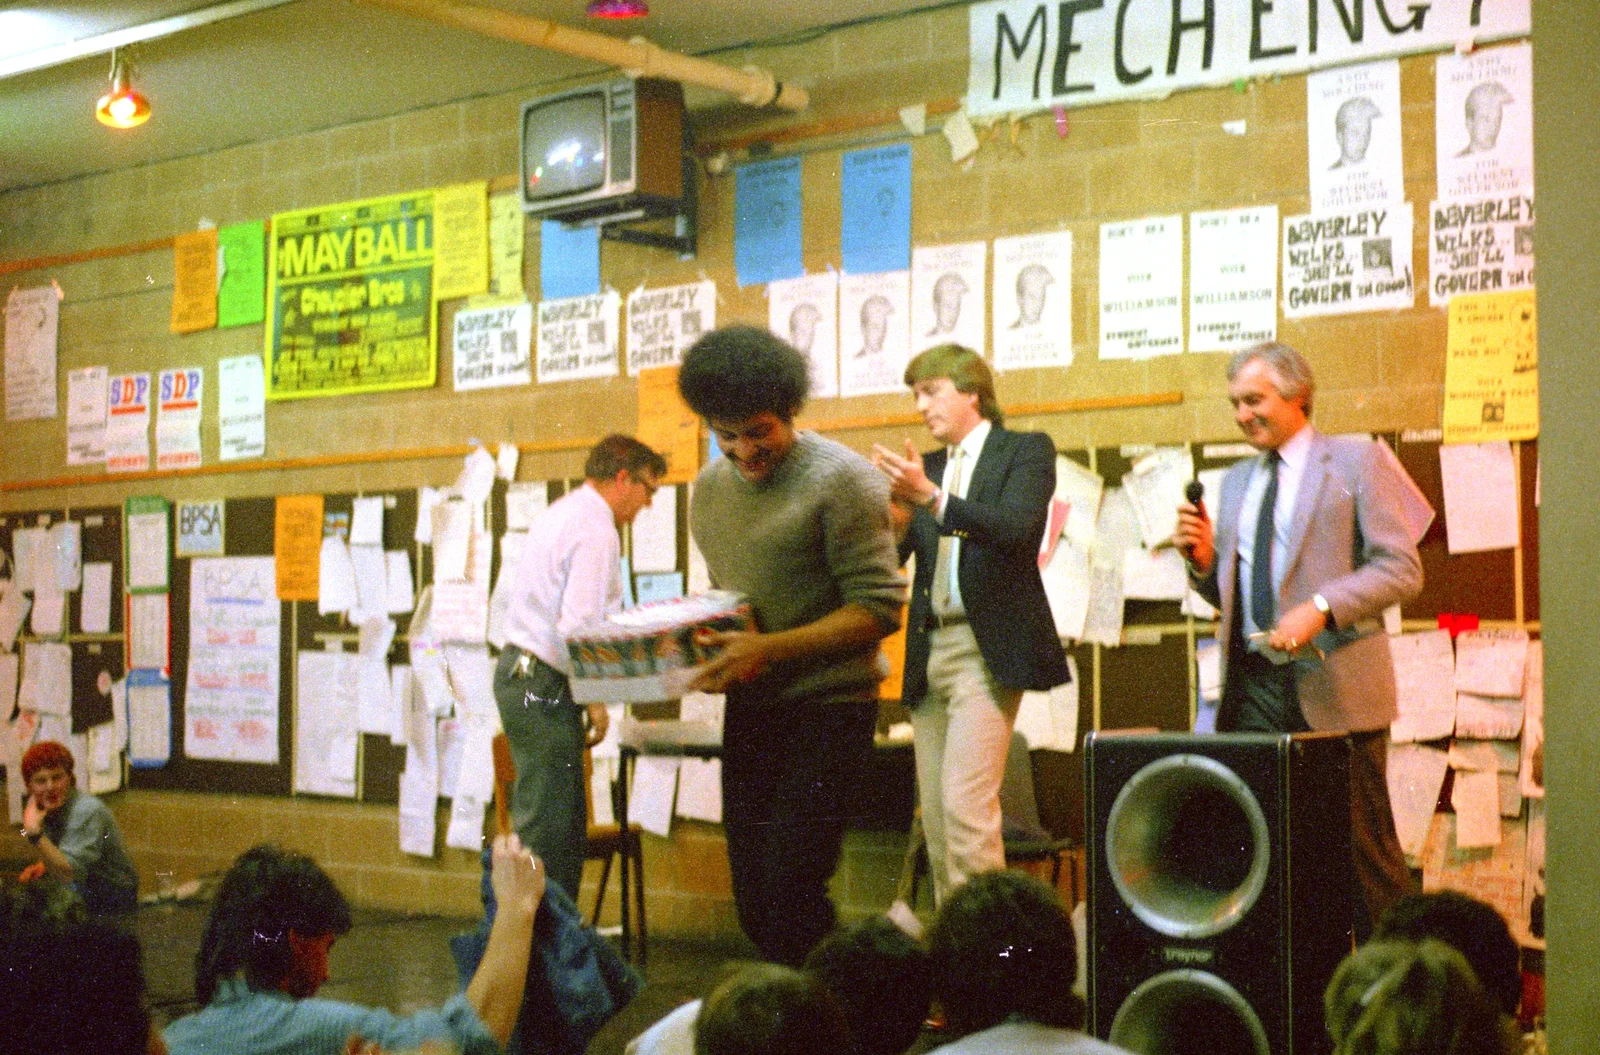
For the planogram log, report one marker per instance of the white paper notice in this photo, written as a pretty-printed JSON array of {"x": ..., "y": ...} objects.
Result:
[
  {"x": 94, "y": 614},
  {"x": 579, "y": 337},
  {"x": 147, "y": 631},
  {"x": 1348, "y": 262},
  {"x": 1103, "y": 622},
  {"x": 46, "y": 684},
  {"x": 326, "y": 722},
  {"x": 1153, "y": 575},
  {"x": 147, "y": 551},
  {"x": 128, "y": 423},
  {"x": 86, "y": 415},
  {"x": 525, "y": 500},
  {"x": 655, "y": 782},
  {"x": 1050, "y": 719},
  {"x": 466, "y": 823},
  {"x": 805, "y": 312},
  {"x": 66, "y": 549},
  {"x": 14, "y": 605},
  {"x": 491, "y": 347},
  {"x": 366, "y": 521},
  {"x": 874, "y": 332},
  {"x": 655, "y": 534},
  {"x": 663, "y": 323},
  {"x": 24, "y": 542},
  {"x": 149, "y": 718},
  {"x": 201, "y": 528},
  {"x": 1476, "y": 798},
  {"x": 399, "y": 590},
  {"x": 371, "y": 572},
  {"x": 427, "y": 499},
  {"x": 231, "y": 697},
  {"x": 1480, "y": 245},
  {"x": 1480, "y": 496},
  {"x": 1488, "y": 717},
  {"x": 1424, "y": 675},
  {"x": 1081, "y": 488},
  {"x": 32, "y": 317},
  {"x": 419, "y": 797},
  {"x": 241, "y": 407},
  {"x": 947, "y": 295},
  {"x": 1233, "y": 278},
  {"x": 1483, "y": 122},
  {"x": 1155, "y": 486},
  {"x": 1033, "y": 300},
  {"x": 178, "y": 418},
  {"x": 700, "y": 790},
  {"x": 1066, "y": 588},
  {"x": 1141, "y": 288},
  {"x": 1353, "y": 125},
  {"x": 452, "y": 539},
  {"x": 1491, "y": 662},
  {"x": 1415, "y": 775},
  {"x": 49, "y": 609},
  {"x": 336, "y": 582},
  {"x": 1531, "y": 767}
]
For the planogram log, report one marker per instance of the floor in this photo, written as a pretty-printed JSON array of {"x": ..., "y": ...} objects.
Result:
[{"x": 403, "y": 963}]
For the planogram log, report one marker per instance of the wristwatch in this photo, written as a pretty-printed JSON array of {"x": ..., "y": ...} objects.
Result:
[{"x": 1322, "y": 606}]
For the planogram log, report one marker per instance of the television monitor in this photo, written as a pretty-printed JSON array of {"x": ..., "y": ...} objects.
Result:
[{"x": 605, "y": 150}]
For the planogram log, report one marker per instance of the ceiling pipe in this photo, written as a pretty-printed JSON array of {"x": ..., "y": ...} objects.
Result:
[{"x": 639, "y": 57}]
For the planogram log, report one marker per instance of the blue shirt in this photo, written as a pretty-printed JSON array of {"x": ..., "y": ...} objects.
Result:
[
  {"x": 86, "y": 834},
  {"x": 245, "y": 1021}
]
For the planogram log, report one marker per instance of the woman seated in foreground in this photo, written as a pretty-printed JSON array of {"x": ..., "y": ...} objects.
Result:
[
  {"x": 264, "y": 955},
  {"x": 74, "y": 833}
]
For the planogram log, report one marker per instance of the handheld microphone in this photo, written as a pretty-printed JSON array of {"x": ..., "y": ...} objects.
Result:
[{"x": 1195, "y": 492}]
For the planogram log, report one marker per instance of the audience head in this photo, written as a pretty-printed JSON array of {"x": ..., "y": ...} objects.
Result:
[
  {"x": 69, "y": 983},
  {"x": 46, "y": 754},
  {"x": 622, "y": 454},
  {"x": 1474, "y": 929},
  {"x": 880, "y": 977},
  {"x": 967, "y": 372},
  {"x": 1003, "y": 946},
  {"x": 1409, "y": 998},
  {"x": 275, "y": 917},
  {"x": 764, "y": 1009},
  {"x": 737, "y": 372}
]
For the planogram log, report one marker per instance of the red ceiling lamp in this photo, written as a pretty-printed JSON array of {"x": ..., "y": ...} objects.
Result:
[
  {"x": 122, "y": 106},
  {"x": 617, "y": 8}
]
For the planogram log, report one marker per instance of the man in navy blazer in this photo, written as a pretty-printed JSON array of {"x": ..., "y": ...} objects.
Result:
[
  {"x": 1310, "y": 545},
  {"x": 980, "y": 630}
]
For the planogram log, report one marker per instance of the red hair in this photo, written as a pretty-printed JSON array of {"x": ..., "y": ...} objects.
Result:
[{"x": 46, "y": 754}]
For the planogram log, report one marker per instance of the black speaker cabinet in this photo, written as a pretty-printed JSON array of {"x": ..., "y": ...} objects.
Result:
[{"x": 1220, "y": 896}]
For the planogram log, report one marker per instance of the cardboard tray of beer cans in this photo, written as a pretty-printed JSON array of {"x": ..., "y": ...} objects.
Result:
[{"x": 651, "y": 652}]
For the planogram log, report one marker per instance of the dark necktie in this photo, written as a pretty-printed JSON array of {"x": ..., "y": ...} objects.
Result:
[{"x": 1263, "y": 605}]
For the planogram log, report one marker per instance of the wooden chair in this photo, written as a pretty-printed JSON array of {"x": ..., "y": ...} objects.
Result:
[
  {"x": 605, "y": 841},
  {"x": 608, "y": 841}
]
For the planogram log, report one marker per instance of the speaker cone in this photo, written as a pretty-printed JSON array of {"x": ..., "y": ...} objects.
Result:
[
  {"x": 1187, "y": 846},
  {"x": 1188, "y": 1013}
]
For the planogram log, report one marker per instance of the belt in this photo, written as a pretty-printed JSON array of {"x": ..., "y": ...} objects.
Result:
[{"x": 936, "y": 621}]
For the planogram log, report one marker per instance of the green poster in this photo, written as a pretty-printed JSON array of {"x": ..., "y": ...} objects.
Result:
[
  {"x": 242, "y": 285},
  {"x": 350, "y": 289}
]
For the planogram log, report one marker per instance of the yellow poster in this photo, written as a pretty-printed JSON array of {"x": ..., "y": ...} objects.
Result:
[
  {"x": 194, "y": 281},
  {"x": 297, "y": 546},
  {"x": 508, "y": 227},
  {"x": 350, "y": 298},
  {"x": 1491, "y": 369},
  {"x": 461, "y": 248},
  {"x": 667, "y": 425}
]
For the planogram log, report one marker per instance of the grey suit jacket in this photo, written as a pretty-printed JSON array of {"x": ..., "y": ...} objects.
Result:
[{"x": 1349, "y": 541}]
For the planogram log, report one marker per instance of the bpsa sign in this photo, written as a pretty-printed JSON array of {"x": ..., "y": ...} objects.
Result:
[{"x": 1028, "y": 55}]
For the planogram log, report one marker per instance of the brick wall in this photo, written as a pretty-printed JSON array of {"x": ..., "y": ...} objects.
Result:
[{"x": 1117, "y": 162}]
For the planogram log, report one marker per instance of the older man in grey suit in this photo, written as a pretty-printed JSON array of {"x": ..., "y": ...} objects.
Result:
[{"x": 1310, "y": 545}]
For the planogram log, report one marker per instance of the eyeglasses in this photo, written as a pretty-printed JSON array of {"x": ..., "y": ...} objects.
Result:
[{"x": 648, "y": 484}]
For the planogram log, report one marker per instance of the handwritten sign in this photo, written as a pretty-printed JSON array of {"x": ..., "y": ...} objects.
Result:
[
  {"x": 663, "y": 323},
  {"x": 231, "y": 702},
  {"x": 297, "y": 544}
]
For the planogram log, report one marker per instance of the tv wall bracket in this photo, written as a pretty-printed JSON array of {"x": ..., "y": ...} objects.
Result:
[{"x": 625, "y": 227}]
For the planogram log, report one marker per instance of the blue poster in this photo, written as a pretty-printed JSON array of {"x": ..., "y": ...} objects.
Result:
[
  {"x": 766, "y": 221},
  {"x": 875, "y": 217},
  {"x": 569, "y": 261}
]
